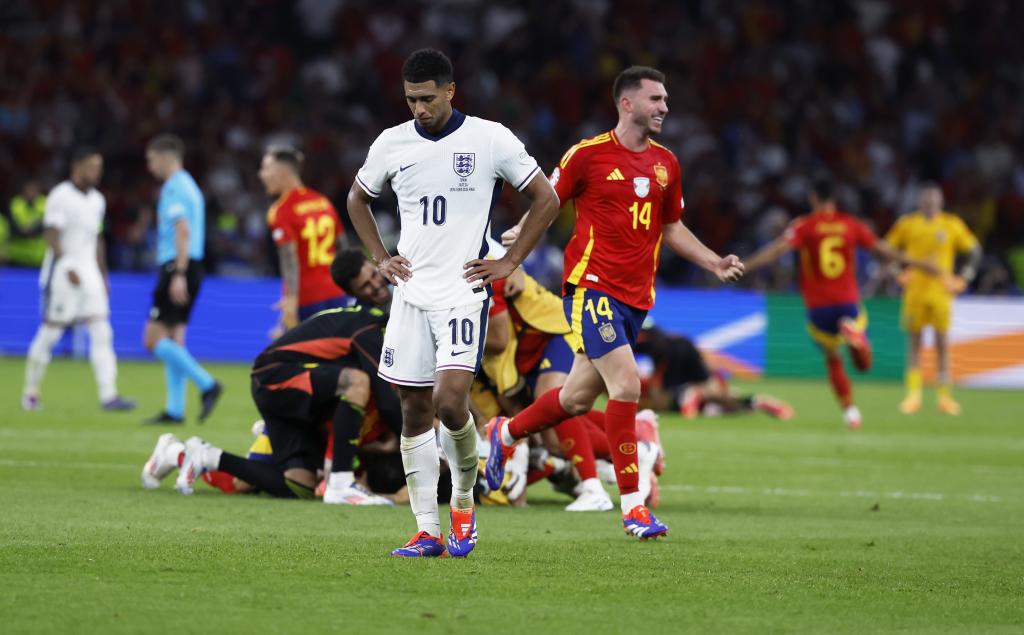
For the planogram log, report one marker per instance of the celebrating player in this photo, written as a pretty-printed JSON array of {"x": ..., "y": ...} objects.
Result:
[
  {"x": 305, "y": 229},
  {"x": 73, "y": 278},
  {"x": 827, "y": 239},
  {"x": 325, "y": 368},
  {"x": 628, "y": 200},
  {"x": 446, "y": 170},
  {"x": 936, "y": 236},
  {"x": 181, "y": 225}
]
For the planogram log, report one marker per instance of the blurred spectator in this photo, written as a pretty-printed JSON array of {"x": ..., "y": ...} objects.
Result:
[
  {"x": 764, "y": 94},
  {"x": 27, "y": 246}
]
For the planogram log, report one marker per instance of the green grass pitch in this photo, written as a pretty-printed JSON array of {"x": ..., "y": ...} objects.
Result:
[{"x": 913, "y": 524}]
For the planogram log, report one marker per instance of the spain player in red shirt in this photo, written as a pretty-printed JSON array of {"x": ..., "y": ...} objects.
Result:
[
  {"x": 306, "y": 230},
  {"x": 629, "y": 200},
  {"x": 827, "y": 240}
]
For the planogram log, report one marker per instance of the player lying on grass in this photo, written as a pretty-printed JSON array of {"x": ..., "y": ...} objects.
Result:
[
  {"x": 628, "y": 196},
  {"x": 827, "y": 240},
  {"x": 325, "y": 365},
  {"x": 683, "y": 380}
]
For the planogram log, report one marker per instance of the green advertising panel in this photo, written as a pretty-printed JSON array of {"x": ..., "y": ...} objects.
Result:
[{"x": 789, "y": 351}]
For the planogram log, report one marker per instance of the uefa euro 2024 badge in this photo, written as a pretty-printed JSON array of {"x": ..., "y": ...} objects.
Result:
[{"x": 641, "y": 185}]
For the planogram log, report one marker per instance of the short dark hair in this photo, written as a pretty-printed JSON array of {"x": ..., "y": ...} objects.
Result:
[
  {"x": 346, "y": 266},
  {"x": 425, "y": 65},
  {"x": 631, "y": 78},
  {"x": 823, "y": 188},
  {"x": 169, "y": 143},
  {"x": 83, "y": 152},
  {"x": 288, "y": 155}
]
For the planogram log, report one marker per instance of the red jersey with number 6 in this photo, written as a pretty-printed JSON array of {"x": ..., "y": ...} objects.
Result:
[
  {"x": 307, "y": 218},
  {"x": 827, "y": 242},
  {"x": 623, "y": 199}
]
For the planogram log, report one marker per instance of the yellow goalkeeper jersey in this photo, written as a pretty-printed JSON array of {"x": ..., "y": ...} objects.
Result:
[{"x": 937, "y": 240}]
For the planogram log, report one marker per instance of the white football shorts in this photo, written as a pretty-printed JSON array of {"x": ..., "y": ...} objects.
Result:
[
  {"x": 418, "y": 343},
  {"x": 65, "y": 303}
]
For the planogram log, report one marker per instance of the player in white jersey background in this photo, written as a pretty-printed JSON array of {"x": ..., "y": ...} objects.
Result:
[
  {"x": 447, "y": 171},
  {"x": 73, "y": 280}
]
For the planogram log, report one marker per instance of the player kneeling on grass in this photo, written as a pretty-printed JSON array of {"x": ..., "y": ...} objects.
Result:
[{"x": 326, "y": 364}]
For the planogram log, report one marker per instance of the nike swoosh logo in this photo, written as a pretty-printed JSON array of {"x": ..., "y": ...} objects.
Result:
[
  {"x": 408, "y": 474},
  {"x": 405, "y": 167},
  {"x": 468, "y": 469},
  {"x": 457, "y": 354}
]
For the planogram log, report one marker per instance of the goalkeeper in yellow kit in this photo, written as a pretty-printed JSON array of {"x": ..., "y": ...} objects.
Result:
[{"x": 936, "y": 236}]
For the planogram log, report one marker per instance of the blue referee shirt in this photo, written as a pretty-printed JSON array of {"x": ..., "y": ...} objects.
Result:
[{"x": 180, "y": 197}]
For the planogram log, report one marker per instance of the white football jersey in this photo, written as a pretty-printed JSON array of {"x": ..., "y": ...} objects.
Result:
[
  {"x": 446, "y": 184},
  {"x": 78, "y": 216}
]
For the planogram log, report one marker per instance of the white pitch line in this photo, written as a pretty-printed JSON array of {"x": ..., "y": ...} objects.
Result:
[
  {"x": 783, "y": 491},
  {"x": 56, "y": 465}
]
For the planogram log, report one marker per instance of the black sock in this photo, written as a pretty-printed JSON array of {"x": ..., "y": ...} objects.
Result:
[
  {"x": 265, "y": 477},
  {"x": 348, "y": 419},
  {"x": 747, "y": 403}
]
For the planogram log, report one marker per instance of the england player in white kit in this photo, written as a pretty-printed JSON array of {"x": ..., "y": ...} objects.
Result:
[
  {"x": 447, "y": 171},
  {"x": 73, "y": 281}
]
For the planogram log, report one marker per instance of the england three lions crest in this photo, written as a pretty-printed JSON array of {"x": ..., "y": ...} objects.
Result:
[
  {"x": 464, "y": 163},
  {"x": 642, "y": 186}
]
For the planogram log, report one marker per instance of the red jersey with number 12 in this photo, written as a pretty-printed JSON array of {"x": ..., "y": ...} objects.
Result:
[
  {"x": 307, "y": 218},
  {"x": 623, "y": 199},
  {"x": 827, "y": 243}
]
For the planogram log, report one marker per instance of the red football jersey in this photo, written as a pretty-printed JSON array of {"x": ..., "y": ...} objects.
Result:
[
  {"x": 623, "y": 199},
  {"x": 827, "y": 243},
  {"x": 530, "y": 343},
  {"x": 307, "y": 218}
]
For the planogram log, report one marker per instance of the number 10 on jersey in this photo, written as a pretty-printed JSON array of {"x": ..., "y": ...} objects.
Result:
[{"x": 439, "y": 212}]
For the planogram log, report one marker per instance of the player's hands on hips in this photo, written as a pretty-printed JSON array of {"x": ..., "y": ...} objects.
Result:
[
  {"x": 395, "y": 268},
  {"x": 484, "y": 272},
  {"x": 729, "y": 268},
  {"x": 954, "y": 284},
  {"x": 178, "y": 291},
  {"x": 510, "y": 236},
  {"x": 73, "y": 278}
]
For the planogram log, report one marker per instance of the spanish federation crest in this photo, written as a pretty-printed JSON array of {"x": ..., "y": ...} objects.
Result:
[
  {"x": 641, "y": 185},
  {"x": 661, "y": 174},
  {"x": 607, "y": 332},
  {"x": 464, "y": 163}
]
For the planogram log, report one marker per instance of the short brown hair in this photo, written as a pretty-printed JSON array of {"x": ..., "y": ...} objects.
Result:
[
  {"x": 167, "y": 143},
  {"x": 631, "y": 78},
  {"x": 287, "y": 155}
]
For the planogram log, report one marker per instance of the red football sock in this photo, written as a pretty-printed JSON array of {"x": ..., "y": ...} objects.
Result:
[
  {"x": 861, "y": 359},
  {"x": 181, "y": 458},
  {"x": 575, "y": 442},
  {"x": 594, "y": 423},
  {"x": 840, "y": 381},
  {"x": 221, "y": 480},
  {"x": 534, "y": 475},
  {"x": 542, "y": 414},
  {"x": 620, "y": 425}
]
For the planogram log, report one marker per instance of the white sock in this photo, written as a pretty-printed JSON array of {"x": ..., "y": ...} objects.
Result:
[
  {"x": 460, "y": 446},
  {"x": 104, "y": 362},
  {"x": 211, "y": 457},
  {"x": 506, "y": 435},
  {"x": 174, "y": 450},
  {"x": 39, "y": 356},
  {"x": 422, "y": 471},
  {"x": 341, "y": 480},
  {"x": 592, "y": 485},
  {"x": 629, "y": 501}
]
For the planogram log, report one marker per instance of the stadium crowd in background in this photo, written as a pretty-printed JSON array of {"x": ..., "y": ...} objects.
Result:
[{"x": 765, "y": 94}]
